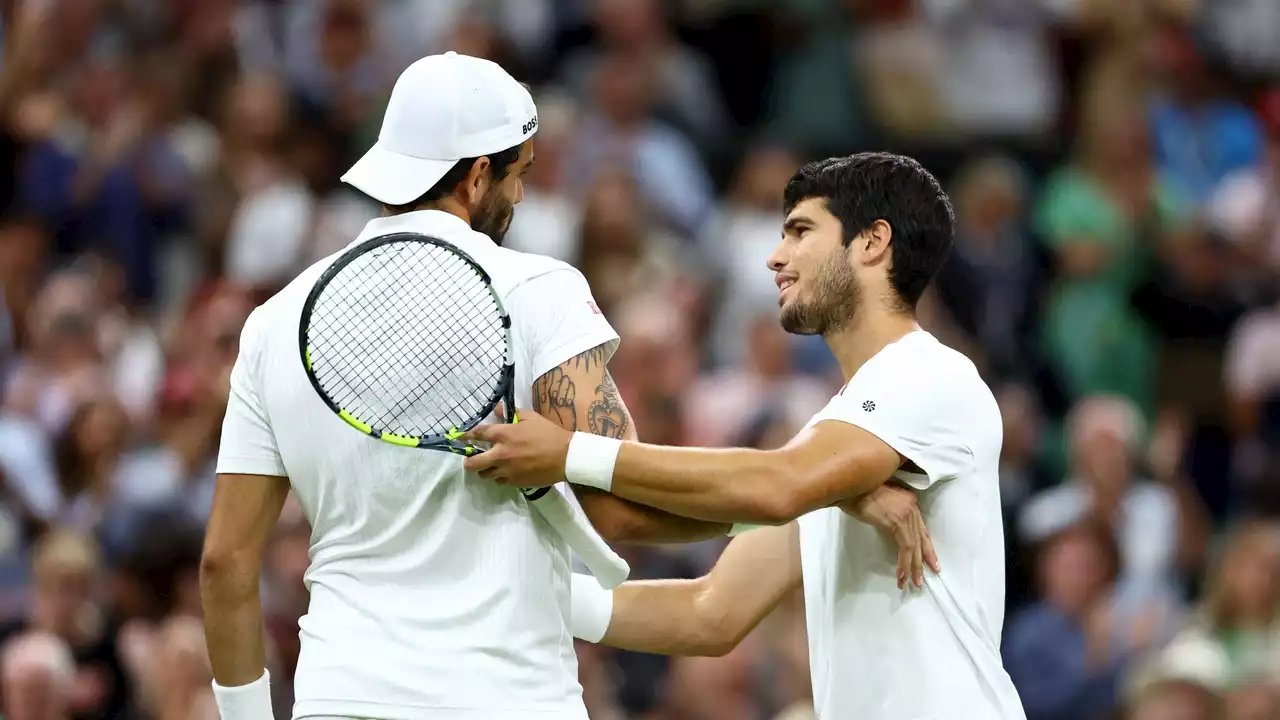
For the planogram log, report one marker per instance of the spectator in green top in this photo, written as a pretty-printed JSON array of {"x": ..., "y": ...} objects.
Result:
[{"x": 1103, "y": 216}]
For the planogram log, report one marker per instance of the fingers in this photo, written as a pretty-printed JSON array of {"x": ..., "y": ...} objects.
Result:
[
  {"x": 493, "y": 472},
  {"x": 904, "y": 561},
  {"x": 930, "y": 556},
  {"x": 482, "y": 433},
  {"x": 909, "y": 554},
  {"x": 917, "y": 551},
  {"x": 483, "y": 463}
]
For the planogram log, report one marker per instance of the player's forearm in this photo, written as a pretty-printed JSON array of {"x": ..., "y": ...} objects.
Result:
[
  {"x": 717, "y": 485},
  {"x": 823, "y": 466},
  {"x": 708, "y": 616},
  {"x": 232, "y": 622},
  {"x": 666, "y": 617},
  {"x": 619, "y": 520}
]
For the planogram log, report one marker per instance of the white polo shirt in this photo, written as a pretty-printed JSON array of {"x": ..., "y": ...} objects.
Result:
[
  {"x": 879, "y": 652},
  {"x": 433, "y": 596}
]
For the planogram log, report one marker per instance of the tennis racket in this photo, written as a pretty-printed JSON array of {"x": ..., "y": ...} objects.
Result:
[{"x": 405, "y": 339}]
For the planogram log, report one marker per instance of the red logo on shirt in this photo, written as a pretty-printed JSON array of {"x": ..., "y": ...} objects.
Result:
[{"x": 594, "y": 308}]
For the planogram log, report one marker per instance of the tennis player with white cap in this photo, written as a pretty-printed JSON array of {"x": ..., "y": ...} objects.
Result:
[{"x": 431, "y": 597}]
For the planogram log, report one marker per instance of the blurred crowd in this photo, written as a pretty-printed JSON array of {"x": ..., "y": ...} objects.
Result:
[{"x": 1115, "y": 165}]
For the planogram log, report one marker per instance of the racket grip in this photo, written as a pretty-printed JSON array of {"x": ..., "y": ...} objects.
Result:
[{"x": 609, "y": 569}]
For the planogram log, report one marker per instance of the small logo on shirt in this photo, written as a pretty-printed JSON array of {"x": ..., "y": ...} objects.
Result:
[
  {"x": 868, "y": 406},
  {"x": 595, "y": 309}
]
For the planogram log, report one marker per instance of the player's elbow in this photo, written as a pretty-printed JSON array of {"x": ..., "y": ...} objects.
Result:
[
  {"x": 222, "y": 568},
  {"x": 778, "y": 505},
  {"x": 619, "y": 531},
  {"x": 764, "y": 494},
  {"x": 618, "y": 525},
  {"x": 718, "y": 645},
  {"x": 780, "y": 509},
  {"x": 611, "y": 517},
  {"x": 721, "y": 630},
  {"x": 778, "y": 492}
]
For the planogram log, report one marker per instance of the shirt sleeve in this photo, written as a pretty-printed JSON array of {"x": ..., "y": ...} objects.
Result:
[
  {"x": 558, "y": 319},
  {"x": 915, "y": 410},
  {"x": 248, "y": 444}
]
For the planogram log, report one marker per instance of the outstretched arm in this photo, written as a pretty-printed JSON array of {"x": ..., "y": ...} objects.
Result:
[
  {"x": 902, "y": 412},
  {"x": 824, "y": 465},
  {"x": 707, "y": 616},
  {"x": 579, "y": 394}
]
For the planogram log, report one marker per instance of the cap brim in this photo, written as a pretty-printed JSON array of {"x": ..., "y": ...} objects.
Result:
[{"x": 395, "y": 179}]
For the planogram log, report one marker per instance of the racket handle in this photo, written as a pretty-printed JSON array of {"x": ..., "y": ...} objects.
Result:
[{"x": 574, "y": 528}]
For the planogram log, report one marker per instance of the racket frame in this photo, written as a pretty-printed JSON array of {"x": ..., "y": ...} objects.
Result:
[
  {"x": 447, "y": 441},
  {"x": 609, "y": 568}
]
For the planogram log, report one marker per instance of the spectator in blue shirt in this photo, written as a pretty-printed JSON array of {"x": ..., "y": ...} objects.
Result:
[
  {"x": 1199, "y": 137},
  {"x": 1067, "y": 654},
  {"x": 108, "y": 178}
]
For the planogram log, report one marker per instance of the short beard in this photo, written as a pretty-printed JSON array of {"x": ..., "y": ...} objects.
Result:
[
  {"x": 836, "y": 298},
  {"x": 492, "y": 216}
]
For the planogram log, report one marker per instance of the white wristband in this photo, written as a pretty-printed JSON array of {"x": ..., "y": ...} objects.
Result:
[
  {"x": 590, "y": 460},
  {"x": 590, "y": 608},
  {"x": 739, "y": 528},
  {"x": 245, "y": 702}
]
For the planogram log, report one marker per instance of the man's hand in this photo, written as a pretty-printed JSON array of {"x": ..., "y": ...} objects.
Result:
[
  {"x": 894, "y": 509},
  {"x": 529, "y": 453}
]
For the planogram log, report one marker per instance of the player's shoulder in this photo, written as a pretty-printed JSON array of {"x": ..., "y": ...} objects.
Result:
[
  {"x": 920, "y": 362},
  {"x": 278, "y": 315},
  {"x": 278, "y": 306},
  {"x": 540, "y": 283},
  {"x": 519, "y": 268},
  {"x": 920, "y": 355}
]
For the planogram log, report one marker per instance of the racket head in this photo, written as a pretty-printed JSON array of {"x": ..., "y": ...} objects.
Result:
[{"x": 378, "y": 338}]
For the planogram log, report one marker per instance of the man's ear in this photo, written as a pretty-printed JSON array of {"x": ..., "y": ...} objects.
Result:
[
  {"x": 874, "y": 242},
  {"x": 476, "y": 183}
]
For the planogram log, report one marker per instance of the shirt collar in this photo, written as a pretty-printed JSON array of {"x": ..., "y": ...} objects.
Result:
[{"x": 446, "y": 226}]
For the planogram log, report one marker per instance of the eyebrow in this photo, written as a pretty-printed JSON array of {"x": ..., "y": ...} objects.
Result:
[{"x": 796, "y": 222}]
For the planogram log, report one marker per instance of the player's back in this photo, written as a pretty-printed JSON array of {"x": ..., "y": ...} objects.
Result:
[
  {"x": 875, "y": 650},
  {"x": 432, "y": 595}
]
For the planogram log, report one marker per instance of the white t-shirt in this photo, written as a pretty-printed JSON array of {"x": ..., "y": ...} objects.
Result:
[
  {"x": 432, "y": 595},
  {"x": 879, "y": 652}
]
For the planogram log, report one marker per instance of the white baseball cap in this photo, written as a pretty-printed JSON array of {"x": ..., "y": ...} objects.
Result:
[{"x": 443, "y": 108}]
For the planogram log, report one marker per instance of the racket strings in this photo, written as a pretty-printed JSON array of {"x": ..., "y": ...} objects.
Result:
[
  {"x": 408, "y": 338},
  {"x": 392, "y": 381}
]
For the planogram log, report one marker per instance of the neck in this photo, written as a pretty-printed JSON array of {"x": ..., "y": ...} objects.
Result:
[
  {"x": 868, "y": 334},
  {"x": 449, "y": 205}
]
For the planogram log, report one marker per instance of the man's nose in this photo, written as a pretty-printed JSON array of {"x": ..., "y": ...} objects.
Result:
[{"x": 777, "y": 259}]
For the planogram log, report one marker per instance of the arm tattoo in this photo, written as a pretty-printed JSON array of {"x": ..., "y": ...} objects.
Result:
[
  {"x": 555, "y": 396},
  {"x": 589, "y": 360},
  {"x": 607, "y": 415}
]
